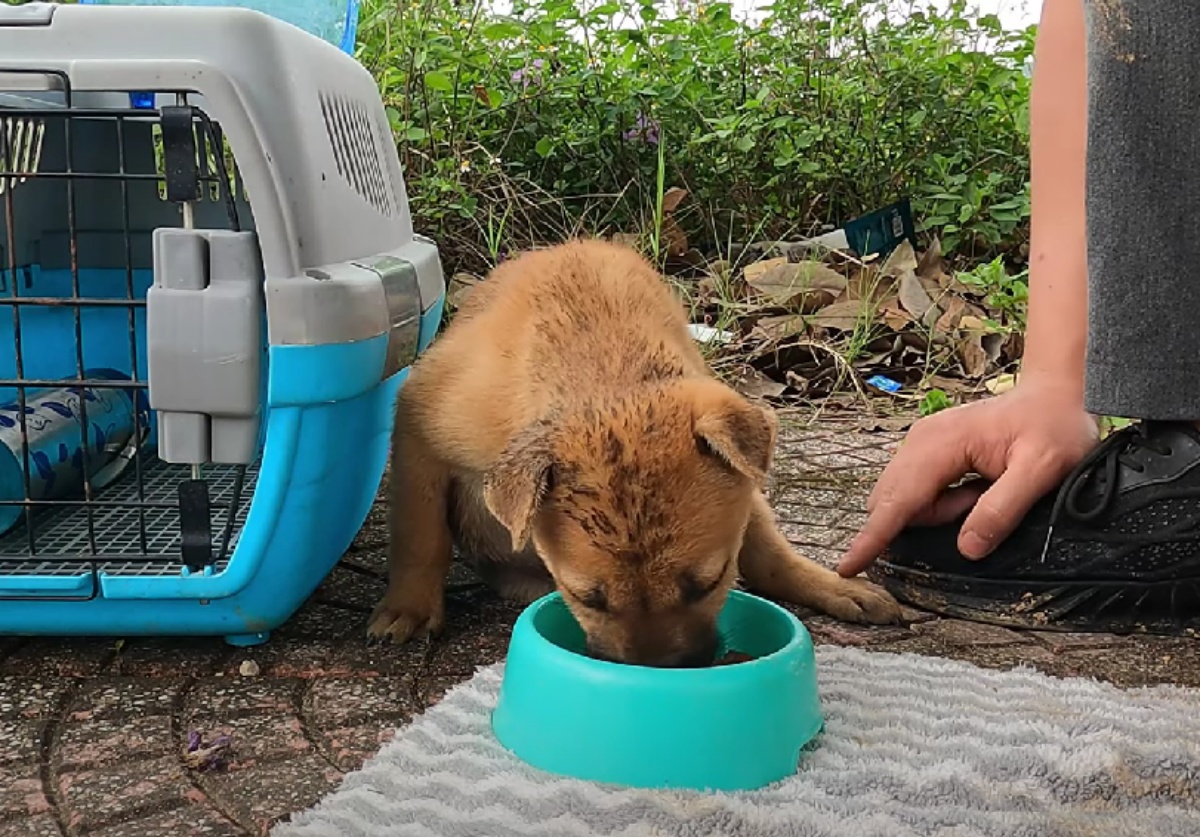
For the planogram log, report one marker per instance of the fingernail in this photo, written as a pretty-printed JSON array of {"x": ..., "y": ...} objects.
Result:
[{"x": 974, "y": 546}]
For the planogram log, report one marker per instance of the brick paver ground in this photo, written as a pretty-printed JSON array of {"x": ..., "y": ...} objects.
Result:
[{"x": 93, "y": 733}]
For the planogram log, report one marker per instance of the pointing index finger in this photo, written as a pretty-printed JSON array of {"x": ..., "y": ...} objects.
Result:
[{"x": 910, "y": 484}]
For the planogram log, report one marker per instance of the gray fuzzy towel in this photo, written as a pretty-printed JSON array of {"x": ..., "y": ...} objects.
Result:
[{"x": 913, "y": 747}]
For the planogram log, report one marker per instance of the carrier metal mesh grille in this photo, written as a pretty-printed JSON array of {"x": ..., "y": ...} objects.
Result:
[
  {"x": 63, "y": 534},
  {"x": 81, "y": 191}
]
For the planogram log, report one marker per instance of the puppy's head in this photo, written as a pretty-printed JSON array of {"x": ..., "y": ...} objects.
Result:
[{"x": 638, "y": 507}]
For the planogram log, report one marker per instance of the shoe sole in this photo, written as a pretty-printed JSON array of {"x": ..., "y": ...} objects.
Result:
[{"x": 1169, "y": 608}]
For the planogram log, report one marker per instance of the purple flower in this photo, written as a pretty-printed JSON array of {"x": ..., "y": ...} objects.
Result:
[
  {"x": 644, "y": 129},
  {"x": 529, "y": 75},
  {"x": 212, "y": 756}
]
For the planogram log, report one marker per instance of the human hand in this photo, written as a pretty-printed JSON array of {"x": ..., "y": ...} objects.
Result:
[{"x": 1023, "y": 442}]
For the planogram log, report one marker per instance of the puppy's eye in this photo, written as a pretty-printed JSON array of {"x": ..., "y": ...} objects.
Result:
[
  {"x": 593, "y": 599},
  {"x": 696, "y": 590}
]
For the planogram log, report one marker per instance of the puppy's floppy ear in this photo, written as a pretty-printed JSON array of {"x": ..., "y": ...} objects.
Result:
[
  {"x": 740, "y": 434},
  {"x": 516, "y": 484}
]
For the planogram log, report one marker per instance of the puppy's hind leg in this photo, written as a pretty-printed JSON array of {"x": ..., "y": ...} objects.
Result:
[
  {"x": 770, "y": 566},
  {"x": 523, "y": 579},
  {"x": 421, "y": 544}
]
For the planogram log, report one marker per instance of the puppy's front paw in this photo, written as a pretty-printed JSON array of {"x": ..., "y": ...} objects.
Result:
[
  {"x": 858, "y": 600},
  {"x": 401, "y": 618}
]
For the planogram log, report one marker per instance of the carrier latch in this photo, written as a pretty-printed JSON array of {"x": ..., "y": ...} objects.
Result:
[
  {"x": 204, "y": 319},
  {"x": 402, "y": 293}
]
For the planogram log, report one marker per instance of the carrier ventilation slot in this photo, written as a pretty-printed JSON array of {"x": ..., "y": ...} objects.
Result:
[{"x": 356, "y": 150}]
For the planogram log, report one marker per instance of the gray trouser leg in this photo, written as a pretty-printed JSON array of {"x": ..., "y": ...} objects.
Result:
[{"x": 1143, "y": 205}]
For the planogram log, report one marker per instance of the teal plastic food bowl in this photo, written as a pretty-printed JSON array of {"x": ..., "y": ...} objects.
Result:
[{"x": 732, "y": 727}]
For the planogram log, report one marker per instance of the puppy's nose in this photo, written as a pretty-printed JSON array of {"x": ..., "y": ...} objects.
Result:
[
  {"x": 699, "y": 658},
  {"x": 602, "y": 655},
  {"x": 697, "y": 655}
]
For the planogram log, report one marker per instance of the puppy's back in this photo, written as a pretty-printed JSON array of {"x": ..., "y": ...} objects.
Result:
[
  {"x": 546, "y": 331},
  {"x": 589, "y": 306}
]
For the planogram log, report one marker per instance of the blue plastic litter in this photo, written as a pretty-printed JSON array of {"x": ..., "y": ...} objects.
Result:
[{"x": 885, "y": 384}]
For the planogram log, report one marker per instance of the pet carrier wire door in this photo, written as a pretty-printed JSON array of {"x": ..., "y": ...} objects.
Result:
[{"x": 210, "y": 292}]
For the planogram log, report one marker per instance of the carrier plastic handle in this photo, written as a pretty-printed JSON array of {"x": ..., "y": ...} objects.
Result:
[{"x": 30, "y": 14}]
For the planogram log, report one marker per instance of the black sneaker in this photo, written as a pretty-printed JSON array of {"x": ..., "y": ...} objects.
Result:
[{"x": 1116, "y": 549}]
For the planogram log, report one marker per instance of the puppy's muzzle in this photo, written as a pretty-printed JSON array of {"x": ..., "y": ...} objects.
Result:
[{"x": 697, "y": 655}]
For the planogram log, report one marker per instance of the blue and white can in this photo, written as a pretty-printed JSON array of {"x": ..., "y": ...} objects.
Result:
[{"x": 55, "y": 441}]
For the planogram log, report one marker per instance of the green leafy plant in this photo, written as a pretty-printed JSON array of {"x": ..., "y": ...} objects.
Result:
[
  {"x": 570, "y": 117},
  {"x": 1005, "y": 293},
  {"x": 1111, "y": 424},
  {"x": 935, "y": 401}
]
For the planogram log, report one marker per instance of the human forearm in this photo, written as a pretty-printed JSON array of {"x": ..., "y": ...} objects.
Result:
[{"x": 1057, "y": 332}]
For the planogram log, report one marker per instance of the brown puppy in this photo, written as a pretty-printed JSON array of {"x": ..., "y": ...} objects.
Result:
[{"x": 566, "y": 422}]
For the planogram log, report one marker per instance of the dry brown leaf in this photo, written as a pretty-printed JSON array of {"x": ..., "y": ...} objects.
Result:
[
  {"x": 955, "y": 306},
  {"x": 893, "y": 315},
  {"x": 840, "y": 316},
  {"x": 756, "y": 269},
  {"x": 931, "y": 287},
  {"x": 886, "y": 424},
  {"x": 948, "y": 385},
  {"x": 969, "y": 322},
  {"x": 974, "y": 310},
  {"x": 809, "y": 285},
  {"x": 953, "y": 285},
  {"x": 913, "y": 297},
  {"x": 755, "y": 384},
  {"x": 818, "y": 275},
  {"x": 973, "y": 357},
  {"x": 1000, "y": 384},
  {"x": 460, "y": 287},
  {"x": 674, "y": 236},
  {"x": 899, "y": 261},
  {"x": 781, "y": 328},
  {"x": 796, "y": 380},
  {"x": 930, "y": 263},
  {"x": 672, "y": 198},
  {"x": 932, "y": 270},
  {"x": 945, "y": 281},
  {"x": 869, "y": 285},
  {"x": 1014, "y": 347}
]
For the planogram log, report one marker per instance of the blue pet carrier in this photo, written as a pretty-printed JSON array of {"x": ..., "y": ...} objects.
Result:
[{"x": 210, "y": 292}]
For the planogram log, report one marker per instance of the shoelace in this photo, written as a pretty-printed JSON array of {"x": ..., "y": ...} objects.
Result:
[{"x": 1100, "y": 468}]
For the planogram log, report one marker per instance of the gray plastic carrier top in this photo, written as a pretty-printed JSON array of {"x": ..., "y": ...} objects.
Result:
[
  {"x": 305, "y": 122},
  {"x": 334, "y": 253}
]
